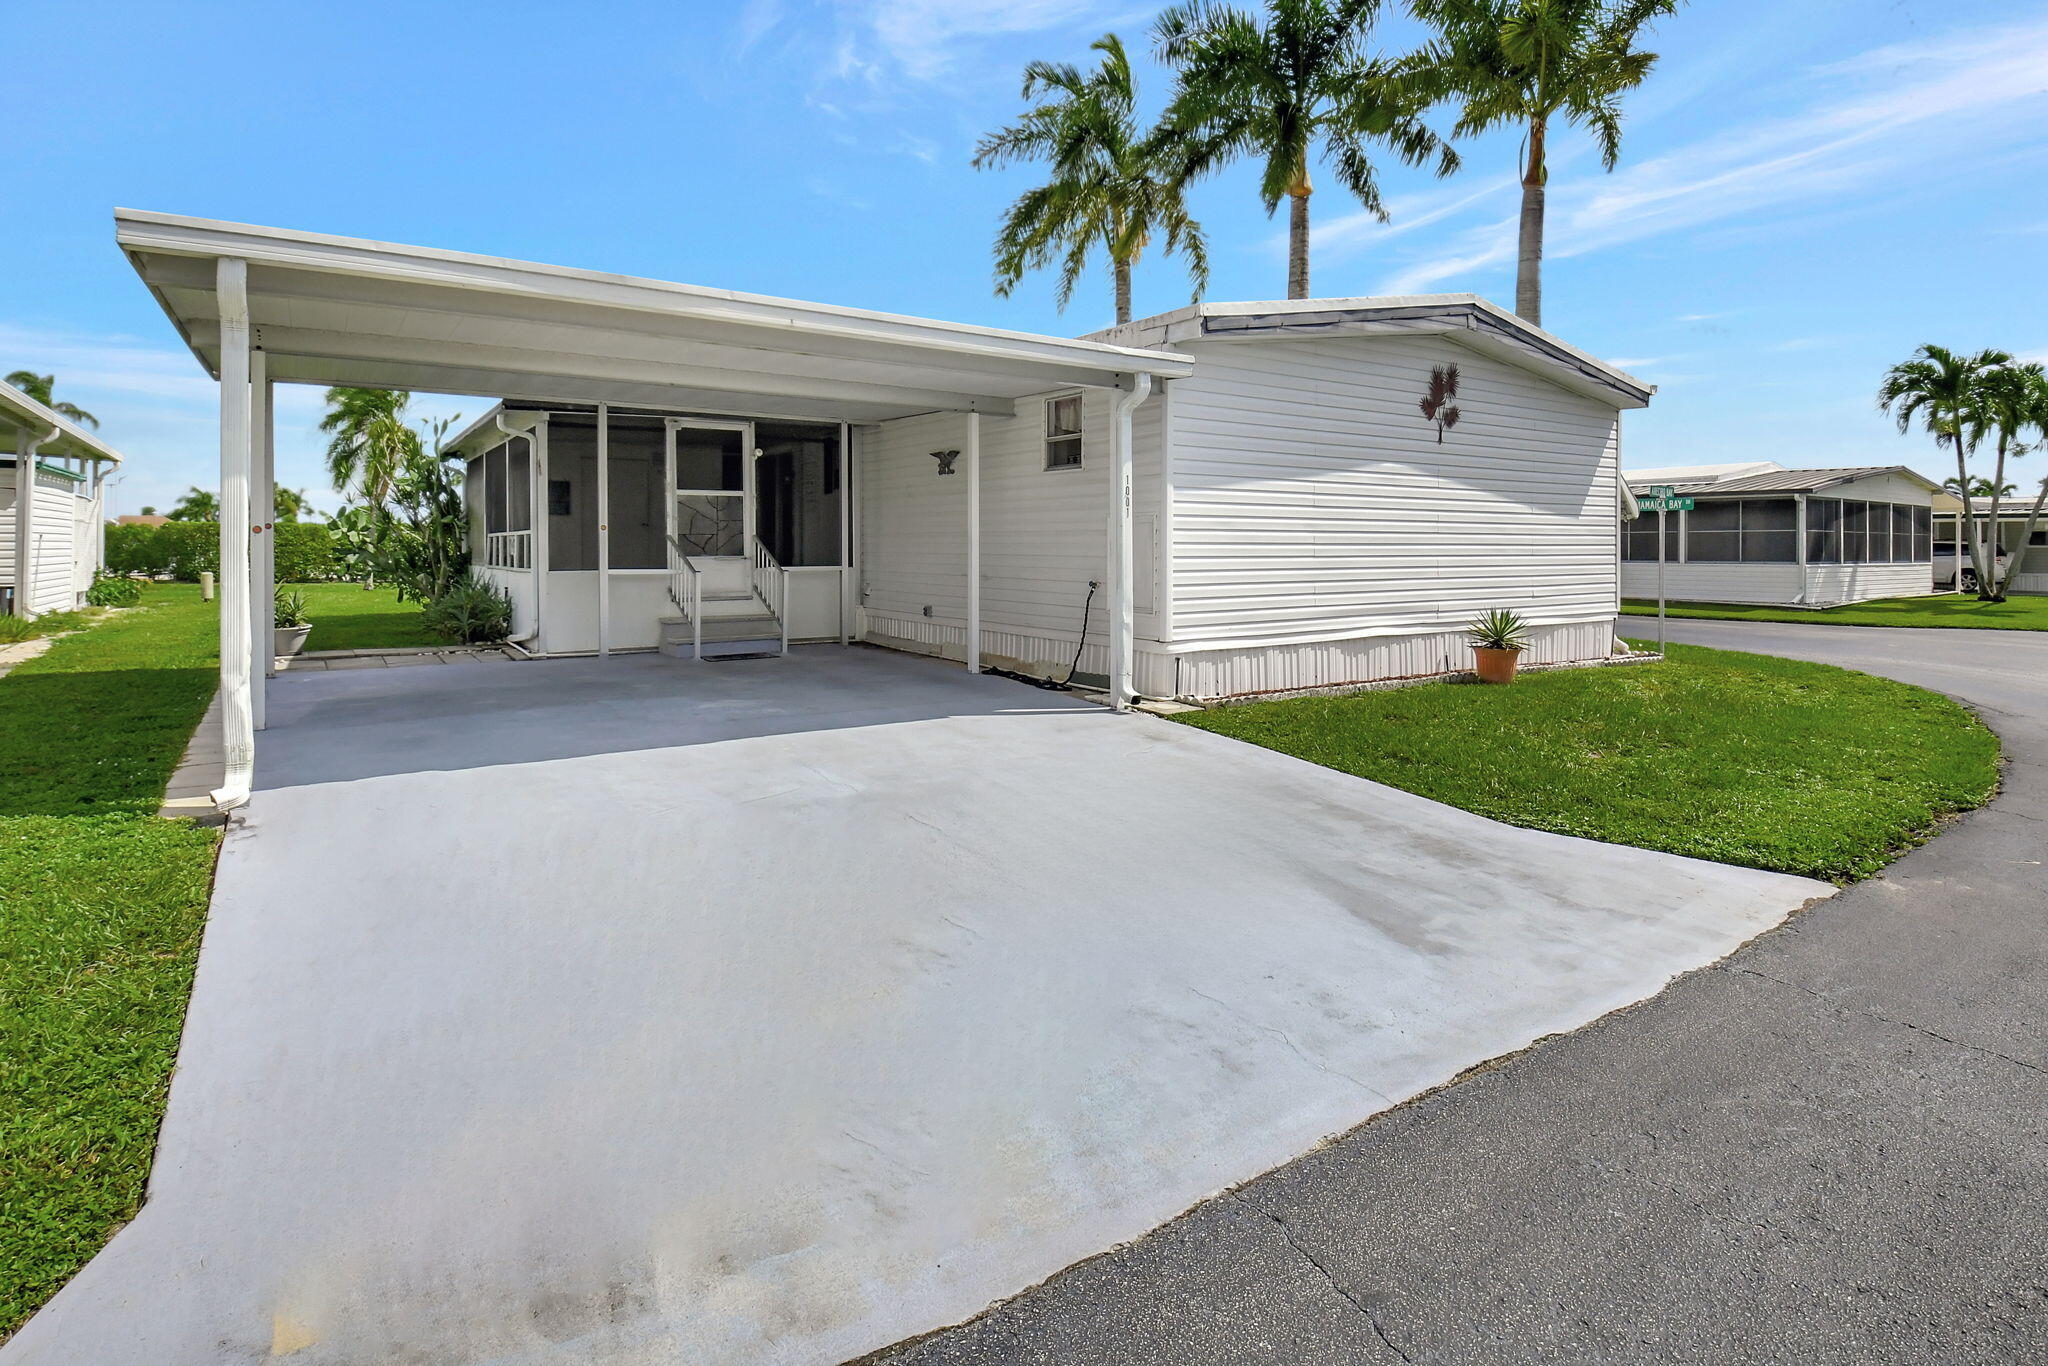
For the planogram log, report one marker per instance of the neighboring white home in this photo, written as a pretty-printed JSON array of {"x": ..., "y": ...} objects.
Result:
[
  {"x": 1952, "y": 562},
  {"x": 1761, "y": 533},
  {"x": 1224, "y": 500},
  {"x": 1296, "y": 521},
  {"x": 57, "y": 530}
]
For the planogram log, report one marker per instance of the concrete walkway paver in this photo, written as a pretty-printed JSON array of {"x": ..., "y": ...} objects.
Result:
[
  {"x": 1831, "y": 1148},
  {"x": 637, "y": 1011}
]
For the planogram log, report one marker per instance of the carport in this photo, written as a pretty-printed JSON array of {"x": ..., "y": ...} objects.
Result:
[{"x": 261, "y": 306}]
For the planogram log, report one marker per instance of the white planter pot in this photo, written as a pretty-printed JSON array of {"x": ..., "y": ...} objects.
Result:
[{"x": 287, "y": 641}]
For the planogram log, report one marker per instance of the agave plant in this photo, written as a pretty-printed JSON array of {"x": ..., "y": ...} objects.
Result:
[
  {"x": 1499, "y": 629},
  {"x": 289, "y": 609}
]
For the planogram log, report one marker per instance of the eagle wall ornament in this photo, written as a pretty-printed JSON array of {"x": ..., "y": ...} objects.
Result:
[
  {"x": 945, "y": 459},
  {"x": 1437, "y": 405}
]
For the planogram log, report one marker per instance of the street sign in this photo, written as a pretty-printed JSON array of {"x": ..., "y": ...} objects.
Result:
[
  {"x": 1665, "y": 504},
  {"x": 1661, "y": 490}
]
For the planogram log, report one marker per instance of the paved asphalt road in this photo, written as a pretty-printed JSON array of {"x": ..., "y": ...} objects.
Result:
[{"x": 1829, "y": 1148}]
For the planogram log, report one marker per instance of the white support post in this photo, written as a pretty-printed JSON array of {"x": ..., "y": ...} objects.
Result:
[
  {"x": 972, "y": 454},
  {"x": 604, "y": 532},
  {"x": 1122, "y": 599},
  {"x": 24, "y": 519},
  {"x": 846, "y": 533},
  {"x": 238, "y": 732},
  {"x": 1799, "y": 550},
  {"x": 262, "y": 515},
  {"x": 537, "y": 442}
]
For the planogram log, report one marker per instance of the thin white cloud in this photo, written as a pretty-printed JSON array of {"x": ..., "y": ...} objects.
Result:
[{"x": 1883, "y": 114}]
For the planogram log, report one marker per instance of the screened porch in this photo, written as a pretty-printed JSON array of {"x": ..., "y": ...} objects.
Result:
[{"x": 611, "y": 528}]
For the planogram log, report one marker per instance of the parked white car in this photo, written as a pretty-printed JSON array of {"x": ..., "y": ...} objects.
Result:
[{"x": 1954, "y": 572}]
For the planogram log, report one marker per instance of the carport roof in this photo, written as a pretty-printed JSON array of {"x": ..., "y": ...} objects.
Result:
[{"x": 344, "y": 310}]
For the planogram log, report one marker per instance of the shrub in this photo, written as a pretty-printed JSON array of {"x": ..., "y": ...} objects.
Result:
[
  {"x": 14, "y": 630},
  {"x": 305, "y": 552},
  {"x": 113, "y": 590},
  {"x": 471, "y": 612},
  {"x": 137, "y": 550}
]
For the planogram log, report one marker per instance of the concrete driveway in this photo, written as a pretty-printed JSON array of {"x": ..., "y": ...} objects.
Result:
[
  {"x": 774, "y": 1011},
  {"x": 1830, "y": 1148}
]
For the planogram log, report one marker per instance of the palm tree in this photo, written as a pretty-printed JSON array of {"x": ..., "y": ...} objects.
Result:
[
  {"x": 288, "y": 505},
  {"x": 1109, "y": 185},
  {"x": 1532, "y": 63},
  {"x": 39, "y": 387},
  {"x": 2008, "y": 398},
  {"x": 2037, "y": 420},
  {"x": 197, "y": 505},
  {"x": 1939, "y": 387},
  {"x": 1980, "y": 487},
  {"x": 1300, "y": 85},
  {"x": 369, "y": 441}
]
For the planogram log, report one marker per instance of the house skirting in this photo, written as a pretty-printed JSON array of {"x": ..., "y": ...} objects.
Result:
[
  {"x": 1777, "y": 585},
  {"x": 1211, "y": 675}
]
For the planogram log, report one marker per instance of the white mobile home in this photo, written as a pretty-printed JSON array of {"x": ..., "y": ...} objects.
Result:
[
  {"x": 52, "y": 538},
  {"x": 1760, "y": 533},
  {"x": 1225, "y": 500},
  {"x": 1296, "y": 521}
]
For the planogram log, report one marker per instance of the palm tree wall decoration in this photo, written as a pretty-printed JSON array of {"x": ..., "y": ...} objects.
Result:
[
  {"x": 1108, "y": 187},
  {"x": 1437, "y": 405},
  {"x": 1301, "y": 84},
  {"x": 1531, "y": 64}
]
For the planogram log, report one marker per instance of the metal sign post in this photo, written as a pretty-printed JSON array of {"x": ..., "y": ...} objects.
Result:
[{"x": 1663, "y": 503}]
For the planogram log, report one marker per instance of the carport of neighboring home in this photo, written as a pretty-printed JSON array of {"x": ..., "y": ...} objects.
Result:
[
  {"x": 261, "y": 306},
  {"x": 768, "y": 1012}
]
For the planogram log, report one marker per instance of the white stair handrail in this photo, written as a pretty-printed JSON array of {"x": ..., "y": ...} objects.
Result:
[
  {"x": 686, "y": 591},
  {"x": 771, "y": 585}
]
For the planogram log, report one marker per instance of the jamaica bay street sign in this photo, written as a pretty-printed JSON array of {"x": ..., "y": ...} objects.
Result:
[{"x": 1664, "y": 504}]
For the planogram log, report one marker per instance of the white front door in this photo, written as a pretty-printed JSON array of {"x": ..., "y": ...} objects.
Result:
[{"x": 711, "y": 474}]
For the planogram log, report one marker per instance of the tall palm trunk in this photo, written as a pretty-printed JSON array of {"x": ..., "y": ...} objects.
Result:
[
  {"x": 1297, "y": 237},
  {"x": 2019, "y": 552},
  {"x": 1966, "y": 523},
  {"x": 1992, "y": 589},
  {"x": 1529, "y": 263},
  {"x": 1122, "y": 270}
]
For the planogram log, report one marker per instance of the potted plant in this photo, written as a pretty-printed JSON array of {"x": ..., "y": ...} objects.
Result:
[
  {"x": 290, "y": 624},
  {"x": 1498, "y": 639}
]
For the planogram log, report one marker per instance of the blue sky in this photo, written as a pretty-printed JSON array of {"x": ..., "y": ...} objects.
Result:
[{"x": 1808, "y": 190}]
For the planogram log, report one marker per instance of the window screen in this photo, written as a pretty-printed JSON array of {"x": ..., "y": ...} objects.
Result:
[
  {"x": 1063, "y": 432},
  {"x": 1639, "y": 538},
  {"x": 1713, "y": 532},
  {"x": 1855, "y": 540},
  {"x": 1824, "y": 530},
  {"x": 1770, "y": 531}
]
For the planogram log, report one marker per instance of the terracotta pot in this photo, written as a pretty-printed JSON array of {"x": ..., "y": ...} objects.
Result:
[
  {"x": 286, "y": 641},
  {"x": 1495, "y": 666}
]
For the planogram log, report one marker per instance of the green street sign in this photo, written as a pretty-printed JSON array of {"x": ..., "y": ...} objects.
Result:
[
  {"x": 1665, "y": 504},
  {"x": 1661, "y": 490}
]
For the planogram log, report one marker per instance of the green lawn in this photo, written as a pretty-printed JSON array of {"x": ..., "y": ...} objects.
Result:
[
  {"x": 345, "y": 617},
  {"x": 1746, "y": 759},
  {"x": 1949, "y": 609},
  {"x": 101, "y": 904}
]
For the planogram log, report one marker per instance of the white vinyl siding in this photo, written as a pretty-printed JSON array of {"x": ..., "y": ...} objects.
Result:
[
  {"x": 57, "y": 526},
  {"x": 1312, "y": 501},
  {"x": 1044, "y": 532}
]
